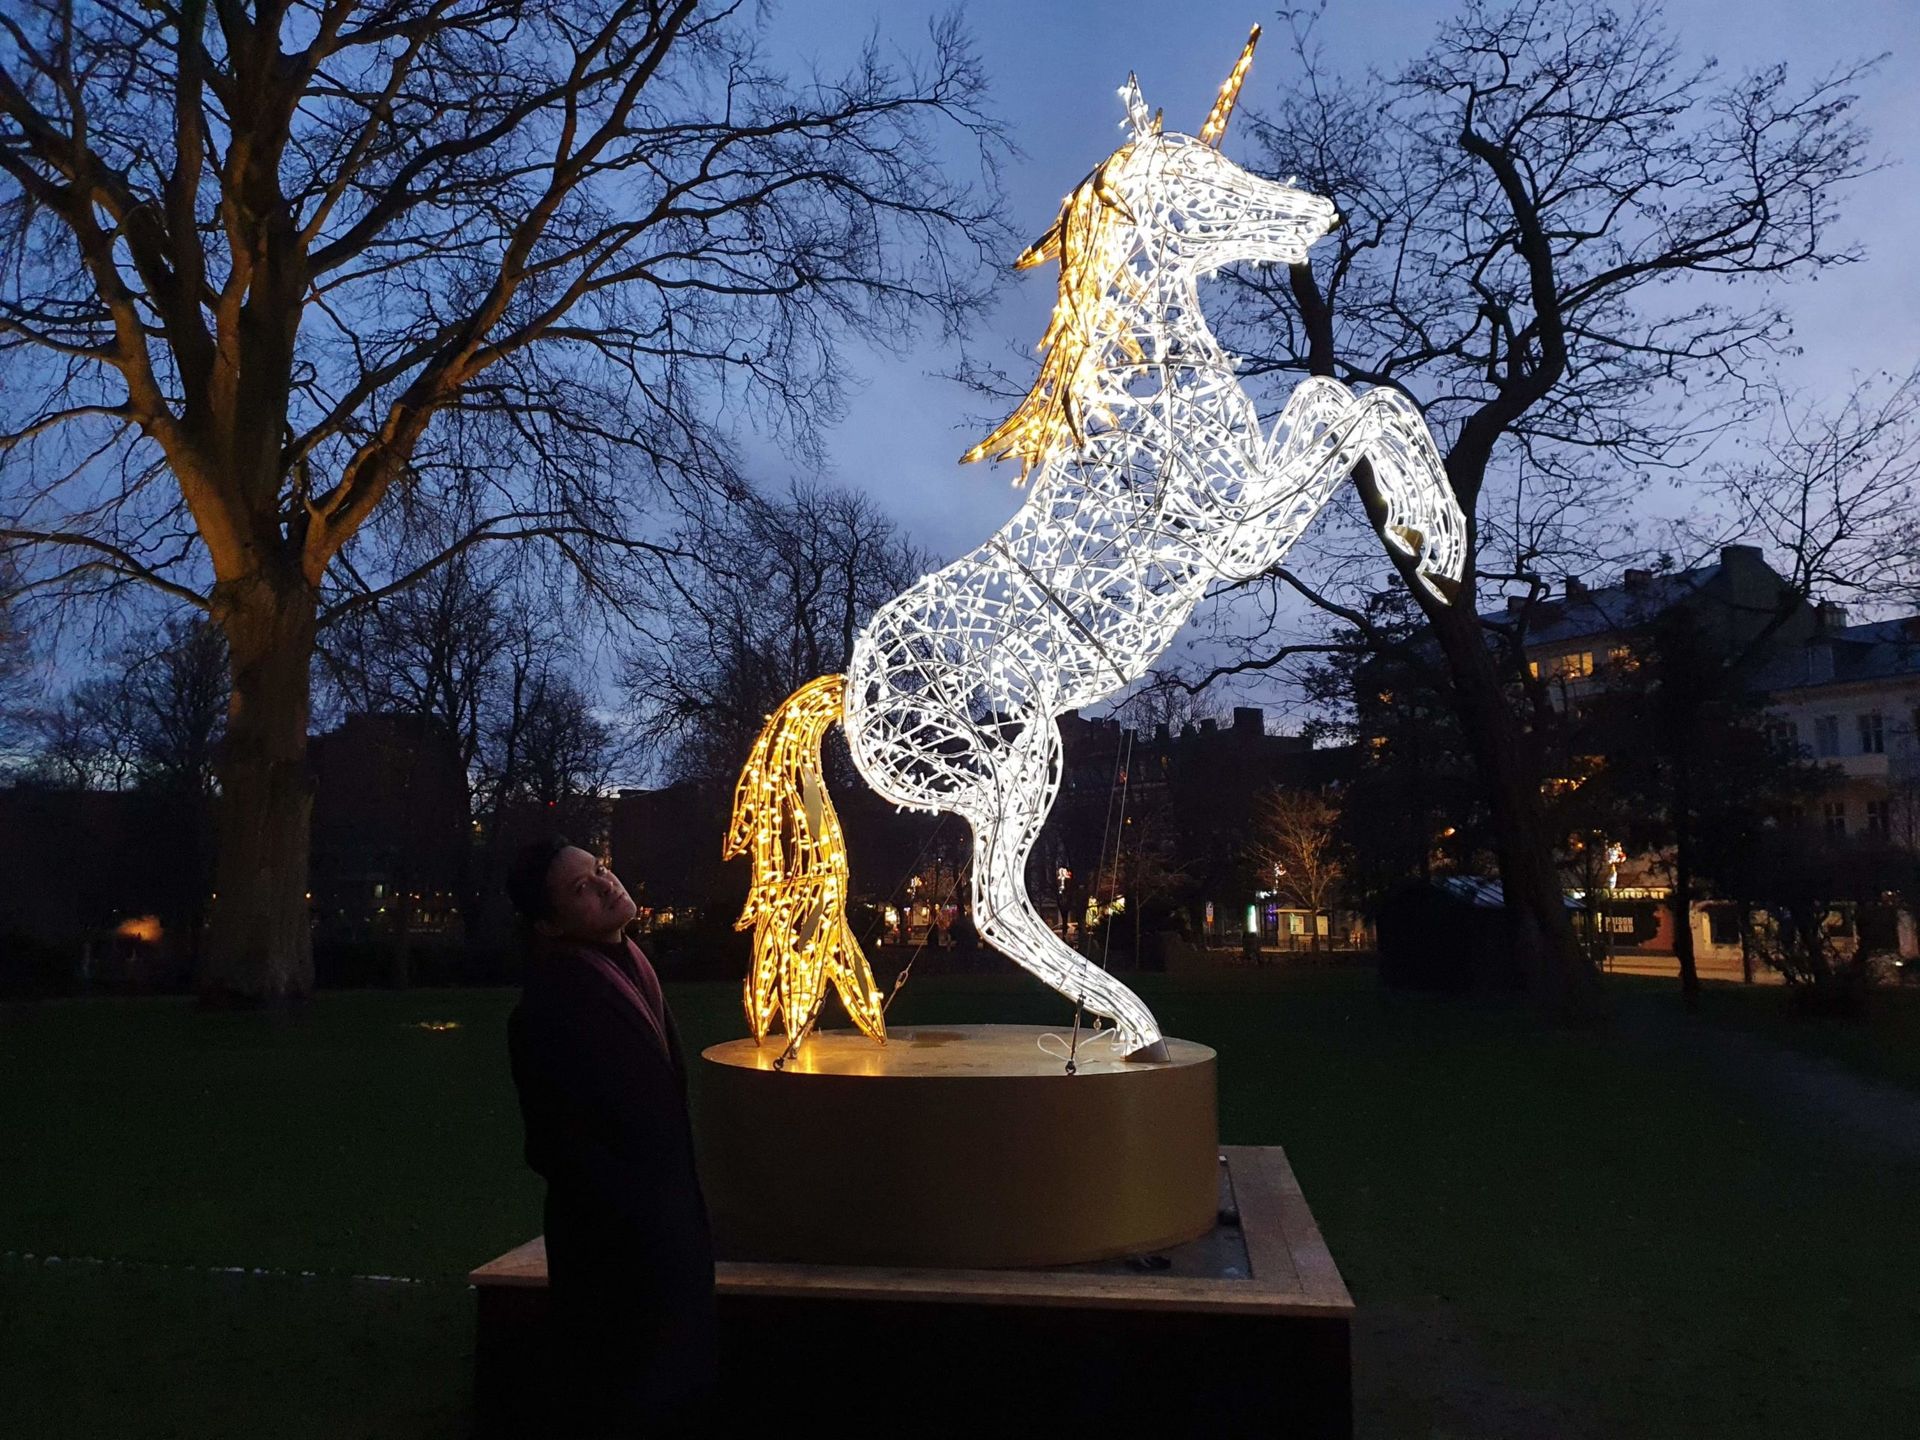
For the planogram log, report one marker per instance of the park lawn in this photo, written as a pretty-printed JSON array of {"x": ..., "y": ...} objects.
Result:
[
  {"x": 1608, "y": 1235},
  {"x": 1883, "y": 1043}
]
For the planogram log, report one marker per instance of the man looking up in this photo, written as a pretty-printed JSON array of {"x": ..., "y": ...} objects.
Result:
[{"x": 602, "y": 1088}]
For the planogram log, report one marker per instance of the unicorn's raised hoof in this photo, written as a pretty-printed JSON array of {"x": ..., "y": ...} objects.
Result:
[{"x": 1154, "y": 1054}]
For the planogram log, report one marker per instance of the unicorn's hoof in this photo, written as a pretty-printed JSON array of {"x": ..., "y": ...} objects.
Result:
[{"x": 1154, "y": 1054}]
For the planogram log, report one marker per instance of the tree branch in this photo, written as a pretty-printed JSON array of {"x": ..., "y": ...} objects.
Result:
[{"x": 119, "y": 561}]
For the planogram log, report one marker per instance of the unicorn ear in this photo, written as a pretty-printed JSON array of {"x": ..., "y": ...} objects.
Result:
[{"x": 1139, "y": 118}]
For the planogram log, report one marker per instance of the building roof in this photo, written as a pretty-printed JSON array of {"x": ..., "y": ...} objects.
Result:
[
  {"x": 1612, "y": 608},
  {"x": 1849, "y": 655},
  {"x": 1484, "y": 893}
]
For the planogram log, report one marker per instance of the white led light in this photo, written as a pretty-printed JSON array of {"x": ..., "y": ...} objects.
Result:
[{"x": 1152, "y": 481}]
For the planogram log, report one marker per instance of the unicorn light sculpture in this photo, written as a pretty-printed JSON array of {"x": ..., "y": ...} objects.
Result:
[{"x": 1152, "y": 480}]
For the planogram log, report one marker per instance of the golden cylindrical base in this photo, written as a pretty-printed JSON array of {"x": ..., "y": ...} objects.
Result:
[{"x": 963, "y": 1146}]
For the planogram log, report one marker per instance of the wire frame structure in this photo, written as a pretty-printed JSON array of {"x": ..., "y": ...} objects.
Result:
[
  {"x": 797, "y": 908},
  {"x": 1151, "y": 480}
]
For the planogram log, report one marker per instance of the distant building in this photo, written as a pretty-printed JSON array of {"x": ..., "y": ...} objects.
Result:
[
  {"x": 1846, "y": 695},
  {"x": 102, "y": 888},
  {"x": 391, "y": 835},
  {"x": 1573, "y": 640},
  {"x": 1164, "y": 815},
  {"x": 1850, "y": 697},
  {"x": 665, "y": 844},
  {"x": 1174, "y": 815}
]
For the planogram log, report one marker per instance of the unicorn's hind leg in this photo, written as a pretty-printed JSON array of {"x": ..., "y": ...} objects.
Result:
[{"x": 1006, "y": 821}]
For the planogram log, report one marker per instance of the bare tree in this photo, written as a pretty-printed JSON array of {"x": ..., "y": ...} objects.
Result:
[
  {"x": 1297, "y": 849},
  {"x": 270, "y": 272},
  {"x": 71, "y": 742},
  {"x": 154, "y": 716},
  {"x": 776, "y": 598},
  {"x": 1165, "y": 700},
  {"x": 177, "y": 689},
  {"x": 1834, "y": 493},
  {"x": 475, "y": 649},
  {"x": 565, "y": 751},
  {"x": 435, "y": 649},
  {"x": 1148, "y": 866},
  {"x": 547, "y": 755},
  {"x": 1516, "y": 203},
  {"x": 17, "y": 694}
]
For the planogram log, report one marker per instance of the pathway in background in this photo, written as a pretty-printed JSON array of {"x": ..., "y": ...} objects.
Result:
[
  {"x": 1710, "y": 968},
  {"x": 1881, "y": 1118}
]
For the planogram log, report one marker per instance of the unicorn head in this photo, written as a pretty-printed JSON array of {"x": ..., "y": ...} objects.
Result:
[
  {"x": 1162, "y": 200},
  {"x": 1183, "y": 193},
  {"x": 1221, "y": 215}
]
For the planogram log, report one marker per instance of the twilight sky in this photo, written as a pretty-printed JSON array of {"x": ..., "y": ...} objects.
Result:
[{"x": 1054, "y": 68}]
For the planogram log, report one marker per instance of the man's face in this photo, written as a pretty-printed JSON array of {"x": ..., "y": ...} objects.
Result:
[{"x": 589, "y": 902}]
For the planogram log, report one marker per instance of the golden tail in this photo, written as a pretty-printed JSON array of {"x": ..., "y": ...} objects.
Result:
[{"x": 797, "y": 907}]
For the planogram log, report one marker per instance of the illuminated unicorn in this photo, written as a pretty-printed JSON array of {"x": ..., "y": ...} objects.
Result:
[{"x": 1152, "y": 481}]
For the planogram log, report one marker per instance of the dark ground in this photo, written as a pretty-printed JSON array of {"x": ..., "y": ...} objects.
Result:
[{"x": 1664, "y": 1228}]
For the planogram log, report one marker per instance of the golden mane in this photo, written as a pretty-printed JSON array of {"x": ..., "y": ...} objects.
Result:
[{"x": 1090, "y": 240}]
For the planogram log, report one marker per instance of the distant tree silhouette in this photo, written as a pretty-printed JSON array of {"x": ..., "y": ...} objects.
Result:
[
  {"x": 285, "y": 289},
  {"x": 1297, "y": 847},
  {"x": 779, "y": 591},
  {"x": 1516, "y": 202}
]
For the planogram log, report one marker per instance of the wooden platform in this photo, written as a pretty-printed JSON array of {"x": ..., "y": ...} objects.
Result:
[{"x": 1246, "y": 1328}]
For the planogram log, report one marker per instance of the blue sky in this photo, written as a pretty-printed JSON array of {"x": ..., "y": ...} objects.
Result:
[{"x": 1054, "y": 69}]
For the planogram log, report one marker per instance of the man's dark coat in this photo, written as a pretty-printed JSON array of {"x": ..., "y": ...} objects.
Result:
[{"x": 629, "y": 1256}]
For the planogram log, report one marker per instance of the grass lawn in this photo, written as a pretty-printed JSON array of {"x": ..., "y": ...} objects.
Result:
[
  {"x": 1553, "y": 1234},
  {"x": 1885, "y": 1043}
]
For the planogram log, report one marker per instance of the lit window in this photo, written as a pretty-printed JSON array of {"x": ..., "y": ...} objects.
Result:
[
  {"x": 1826, "y": 736},
  {"x": 1575, "y": 666},
  {"x": 1620, "y": 657}
]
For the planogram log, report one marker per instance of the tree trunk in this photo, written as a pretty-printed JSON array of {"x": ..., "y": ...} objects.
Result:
[
  {"x": 259, "y": 944},
  {"x": 1681, "y": 900},
  {"x": 400, "y": 968},
  {"x": 1560, "y": 977},
  {"x": 1424, "y": 824}
]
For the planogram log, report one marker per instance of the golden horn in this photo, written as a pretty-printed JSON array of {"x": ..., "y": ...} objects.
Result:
[{"x": 1216, "y": 125}]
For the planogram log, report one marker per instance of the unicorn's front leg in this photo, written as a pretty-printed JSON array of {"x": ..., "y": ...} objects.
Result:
[
  {"x": 1422, "y": 518},
  {"x": 1026, "y": 779},
  {"x": 1323, "y": 433},
  {"x": 1288, "y": 477}
]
